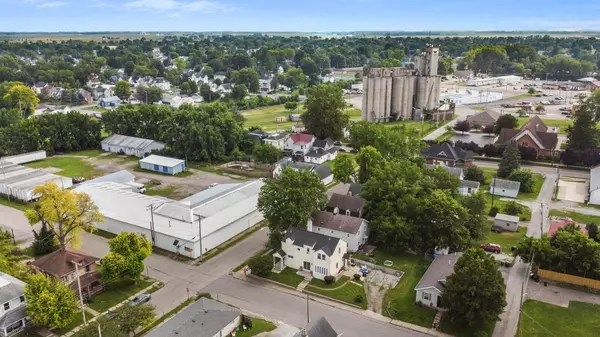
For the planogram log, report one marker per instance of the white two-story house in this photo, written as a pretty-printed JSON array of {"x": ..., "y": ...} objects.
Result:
[
  {"x": 322, "y": 151},
  {"x": 299, "y": 144},
  {"x": 278, "y": 140},
  {"x": 12, "y": 305},
  {"x": 317, "y": 253},
  {"x": 354, "y": 231}
]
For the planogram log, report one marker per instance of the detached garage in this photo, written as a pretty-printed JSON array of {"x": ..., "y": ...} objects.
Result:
[
  {"x": 163, "y": 164},
  {"x": 131, "y": 146}
]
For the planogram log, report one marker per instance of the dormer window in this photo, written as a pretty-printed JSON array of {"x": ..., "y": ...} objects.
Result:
[
  {"x": 442, "y": 154},
  {"x": 347, "y": 212}
]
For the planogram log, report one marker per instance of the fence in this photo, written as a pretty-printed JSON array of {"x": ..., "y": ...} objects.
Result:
[
  {"x": 570, "y": 279},
  {"x": 234, "y": 167}
]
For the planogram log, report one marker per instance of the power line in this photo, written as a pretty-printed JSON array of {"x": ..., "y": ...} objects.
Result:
[{"x": 538, "y": 323}]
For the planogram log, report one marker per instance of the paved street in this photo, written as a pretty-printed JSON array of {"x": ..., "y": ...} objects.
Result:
[{"x": 292, "y": 309}]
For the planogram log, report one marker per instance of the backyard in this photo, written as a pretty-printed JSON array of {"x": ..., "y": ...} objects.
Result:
[
  {"x": 577, "y": 217},
  {"x": 287, "y": 276},
  {"x": 525, "y": 215},
  {"x": 399, "y": 302},
  {"x": 68, "y": 167},
  {"x": 504, "y": 239},
  {"x": 265, "y": 117},
  {"x": 116, "y": 293},
  {"x": 258, "y": 326},
  {"x": 343, "y": 290},
  {"x": 542, "y": 319}
]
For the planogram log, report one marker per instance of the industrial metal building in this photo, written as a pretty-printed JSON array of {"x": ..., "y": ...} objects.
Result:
[
  {"x": 19, "y": 181},
  {"x": 131, "y": 146},
  {"x": 391, "y": 94},
  {"x": 191, "y": 227},
  {"x": 163, "y": 164},
  {"x": 501, "y": 80}
]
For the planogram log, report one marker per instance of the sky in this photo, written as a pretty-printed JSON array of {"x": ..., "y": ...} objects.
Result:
[{"x": 296, "y": 16}]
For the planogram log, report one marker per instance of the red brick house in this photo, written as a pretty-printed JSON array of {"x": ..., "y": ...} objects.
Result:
[
  {"x": 61, "y": 264},
  {"x": 448, "y": 155},
  {"x": 533, "y": 134}
]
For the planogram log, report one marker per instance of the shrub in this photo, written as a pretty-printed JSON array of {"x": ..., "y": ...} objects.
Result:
[
  {"x": 359, "y": 299},
  {"x": 513, "y": 208},
  {"x": 356, "y": 277},
  {"x": 329, "y": 279},
  {"x": 261, "y": 265},
  {"x": 474, "y": 173},
  {"x": 493, "y": 211},
  {"x": 525, "y": 177}
]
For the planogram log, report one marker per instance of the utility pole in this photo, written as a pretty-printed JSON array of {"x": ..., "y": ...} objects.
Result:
[
  {"x": 200, "y": 217},
  {"x": 99, "y": 331},
  {"x": 152, "y": 223},
  {"x": 557, "y": 180},
  {"x": 493, "y": 190},
  {"x": 307, "y": 310},
  {"x": 79, "y": 288}
]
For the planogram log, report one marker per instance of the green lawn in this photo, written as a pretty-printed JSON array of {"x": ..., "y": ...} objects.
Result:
[
  {"x": 70, "y": 167},
  {"x": 461, "y": 331},
  {"x": 265, "y": 117},
  {"x": 577, "y": 217},
  {"x": 537, "y": 186},
  {"x": 287, "y": 276},
  {"x": 258, "y": 326},
  {"x": 347, "y": 293},
  {"x": 116, "y": 293},
  {"x": 526, "y": 214},
  {"x": 428, "y": 126},
  {"x": 445, "y": 136},
  {"x": 76, "y": 321},
  {"x": 166, "y": 191},
  {"x": 541, "y": 319},
  {"x": 399, "y": 303},
  {"x": 14, "y": 203},
  {"x": 561, "y": 123},
  {"x": 504, "y": 239}
]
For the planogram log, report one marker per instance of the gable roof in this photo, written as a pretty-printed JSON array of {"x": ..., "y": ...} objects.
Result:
[
  {"x": 59, "y": 262},
  {"x": 301, "y": 138},
  {"x": 536, "y": 129},
  {"x": 469, "y": 184},
  {"x": 447, "y": 151},
  {"x": 317, "y": 153},
  {"x": 10, "y": 288},
  {"x": 338, "y": 222},
  {"x": 352, "y": 203},
  {"x": 506, "y": 217},
  {"x": 323, "y": 143},
  {"x": 162, "y": 161},
  {"x": 203, "y": 318},
  {"x": 484, "y": 117},
  {"x": 122, "y": 177},
  {"x": 317, "y": 328},
  {"x": 302, "y": 237},
  {"x": 323, "y": 170},
  {"x": 440, "y": 268},
  {"x": 128, "y": 141},
  {"x": 504, "y": 184},
  {"x": 556, "y": 225}
]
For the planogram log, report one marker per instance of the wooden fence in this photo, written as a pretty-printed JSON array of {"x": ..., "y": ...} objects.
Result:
[
  {"x": 262, "y": 170},
  {"x": 570, "y": 279}
]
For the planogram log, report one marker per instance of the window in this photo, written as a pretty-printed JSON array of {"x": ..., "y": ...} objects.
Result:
[
  {"x": 175, "y": 243},
  {"x": 22, "y": 298},
  {"x": 14, "y": 326},
  {"x": 319, "y": 229},
  {"x": 6, "y": 306},
  {"x": 298, "y": 248},
  {"x": 426, "y": 296},
  {"x": 339, "y": 250},
  {"x": 307, "y": 250},
  {"x": 348, "y": 212},
  {"x": 156, "y": 168},
  {"x": 88, "y": 268},
  {"x": 321, "y": 270},
  {"x": 290, "y": 257},
  {"x": 165, "y": 169},
  {"x": 331, "y": 232},
  {"x": 336, "y": 265}
]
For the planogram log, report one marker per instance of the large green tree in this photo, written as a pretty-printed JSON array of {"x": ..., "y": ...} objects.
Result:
[
  {"x": 369, "y": 160},
  {"x": 505, "y": 121},
  {"x": 109, "y": 328},
  {"x": 325, "y": 114},
  {"x": 125, "y": 259},
  {"x": 583, "y": 134},
  {"x": 475, "y": 173},
  {"x": 487, "y": 59},
  {"x": 475, "y": 216},
  {"x": 475, "y": 293},
  {"x": 247, "y": 77},
  {"x": 290, "y": 200},
  {"x": 122, "y": 90},
  {"x": 266, "y": 153},
  {"x": 130, "y": 317},
  {"x": 511, "y": 160},
  {"x": 525, "y": 177},
  {"x": 49, "y": 301},
  {"x": 343, "y": 169}
]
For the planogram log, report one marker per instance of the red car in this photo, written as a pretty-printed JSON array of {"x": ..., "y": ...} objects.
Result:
[{"x": 492, "y": 247}]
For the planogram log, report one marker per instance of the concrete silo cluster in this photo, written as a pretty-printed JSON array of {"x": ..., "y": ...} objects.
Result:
[{"x": 391, "y": 94}]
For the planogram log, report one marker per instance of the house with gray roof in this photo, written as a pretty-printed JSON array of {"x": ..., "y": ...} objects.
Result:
[
  {"x": 315, "y": 253},
  {"x": 505, "y": 188},
  {"x": 353, "y": 230},
  {"x": 448, "y": 155},
  {"x": 346, "y": 204},
  {"x": 468, "y": 187},
  {"x": 323, "y": 170},
  {"x": 318, "y": 328},
  {"x": 131, "y": 146},
  {"x": 483, "y": 118},
  {"x": 430, "y": 288},
  {"x": 12, "y": 305},
  {"x": 109, "y": 102},
  {"x": 203, "y": 318}
]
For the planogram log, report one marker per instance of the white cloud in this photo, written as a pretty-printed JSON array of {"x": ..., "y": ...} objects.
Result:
[
  {"x": 52, "y": 4},
  {"x": 173, "y": 5}
]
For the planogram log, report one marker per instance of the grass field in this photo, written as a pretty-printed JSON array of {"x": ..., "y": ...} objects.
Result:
[
  {"x": 14, "y": 204},
  {"x": 168, "y": 192},
  {"x": 445, "y": 136},
  {"x": 542, "y": 319},
  {"x": 265, "y": 117},
  {"x": 116, "y": 293},
  {"x": 76, "y": 321},
  {"x": 399, "y": 303},
  {"x": 578, "y": 217},
  {"x": 258, "y": 326},
  {"x": 348, "y": 293},
  {"x": 287, "y": 276},
  {"x": 69, "y": 167},
  {"x": 504, "y": 239},
  {"x": 87, "y": 153}
]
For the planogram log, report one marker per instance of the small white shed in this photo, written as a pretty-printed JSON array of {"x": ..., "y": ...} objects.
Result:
[
  {"x": 506, "y": 222},
  {"x": 162, "y": 164},
  {"x": 505, "y": 188}
]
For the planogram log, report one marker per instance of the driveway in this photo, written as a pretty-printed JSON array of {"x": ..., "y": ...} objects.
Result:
[
  {"x": 571, "y": 190},
  {"x": 558, "y": 295}
]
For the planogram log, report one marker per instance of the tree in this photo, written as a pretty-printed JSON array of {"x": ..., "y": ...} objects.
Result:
[
  {"x": 129, "y": 66},
  {"x": 261, "y": 265},
  {"x": 9, "y": 117},
  {"x": 290, "y": 200},
  {"x": 540, "y": 108},
  {"x": 293, "y": 78},
  {"x": 122, "y": 90},
  {"x": 66, "y": 213},
  {"x": 445, "y": 66},
  {"x": 531, "y": 91},
  {"x": 583, "y": 133},
  {"x": 475, "y": 217},
  {"x": 592, "y": 229},
  {"x": 239, "y": 92},
  {"x": 9, "y": 261},
  {"x": 247, "y": 77},
  {"x": 343, "y": 169},
  {"x": 130, "y": 317},
  {"x": 185, "y": 88},
  {"x": 513, "y": 208},
  {"x": 475, "y": 173},
  {"x": 525, "y": 177},
  {"x": 18, "y": 95},
  {"x": 49, "y": 301},
  {"x": 462, "y": 126},
  {"x": 109, "y": 328},
  {"x": 369, "y": 160},
  {"x": 125, "y": 260},
  {"x": 266, "y": 153},
  {"x": 291, "y": 105},
  {"x": 489, "y": 129},
  {"x": 207, "y": 94},
  {"x": 486, "y": 59},
  {"x": 45, "y": 241},
  {"x": 325, "y": 114},
  {"x": 510, "y": 160},
  {"x": 475, "y": 293},
  {"x": 193, "y": 87},
  {"x": 505, "y": 122}
]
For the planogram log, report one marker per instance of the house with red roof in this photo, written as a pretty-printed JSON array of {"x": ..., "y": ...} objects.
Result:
[
  {"x": 533, "y": 134},
  {"x": 558, "y": 224},
  {"x": 299, "y": 143}
]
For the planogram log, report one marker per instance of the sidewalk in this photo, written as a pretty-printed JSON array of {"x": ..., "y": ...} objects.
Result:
[
  {"x": 559, "y": 296},
  {"x": 366, "y": 313}
]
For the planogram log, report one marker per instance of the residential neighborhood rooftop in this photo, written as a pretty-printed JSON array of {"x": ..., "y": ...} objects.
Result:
[
  {"x": 504, "y": 184},
  {"x": 338, "y": 222},
  {"x": 349, "y": 202},
  {"x": 10, "y": 287},
  {"x": 301, "y": 138},
  {"x": 162, "y": 161},
  {"x": 317, "y": 328},
  {"x": 302, "y": 237},
  {"x": 128, "y": 141},
  {"x": 435, "y": 276},
  {"x": 60, "y": 262},
  {"x": 506, "y": 217}
]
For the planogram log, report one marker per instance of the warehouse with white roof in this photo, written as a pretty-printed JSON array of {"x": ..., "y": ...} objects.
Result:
[
  {"x": 191, "y": 227},
  {"x": 162, "y": 164},
  {"x": 19, "y": 181},
  {"x": 131, "y": 146}
]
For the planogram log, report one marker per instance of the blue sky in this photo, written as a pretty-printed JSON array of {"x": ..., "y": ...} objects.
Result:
[{"x": 303, "y": 15}]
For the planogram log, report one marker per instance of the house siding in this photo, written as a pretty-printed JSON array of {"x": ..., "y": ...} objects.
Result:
[
  {"x": 511, "y": 193},
  {"x": 296, "y": 256},
  {"x": 506, "y": 225},
  {"x": 163, "y": 169},
  {"x": 132, "y": 151},
  {"x": 354, "y": 241},
  {"x": 433, "y": 295},
  {"x": 467, "y": 190}
]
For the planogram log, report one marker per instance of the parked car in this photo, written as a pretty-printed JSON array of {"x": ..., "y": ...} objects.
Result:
[
  {"x": 140, "y": 299},
  {"x": 492, "y": 247},
  {"x": 564, "y": 108}
]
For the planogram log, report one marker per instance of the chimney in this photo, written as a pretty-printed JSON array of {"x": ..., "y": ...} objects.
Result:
[{"x": 309, "y": 225}]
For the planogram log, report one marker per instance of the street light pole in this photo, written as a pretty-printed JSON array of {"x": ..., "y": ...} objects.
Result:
[{"x": 79, "y": 288}]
